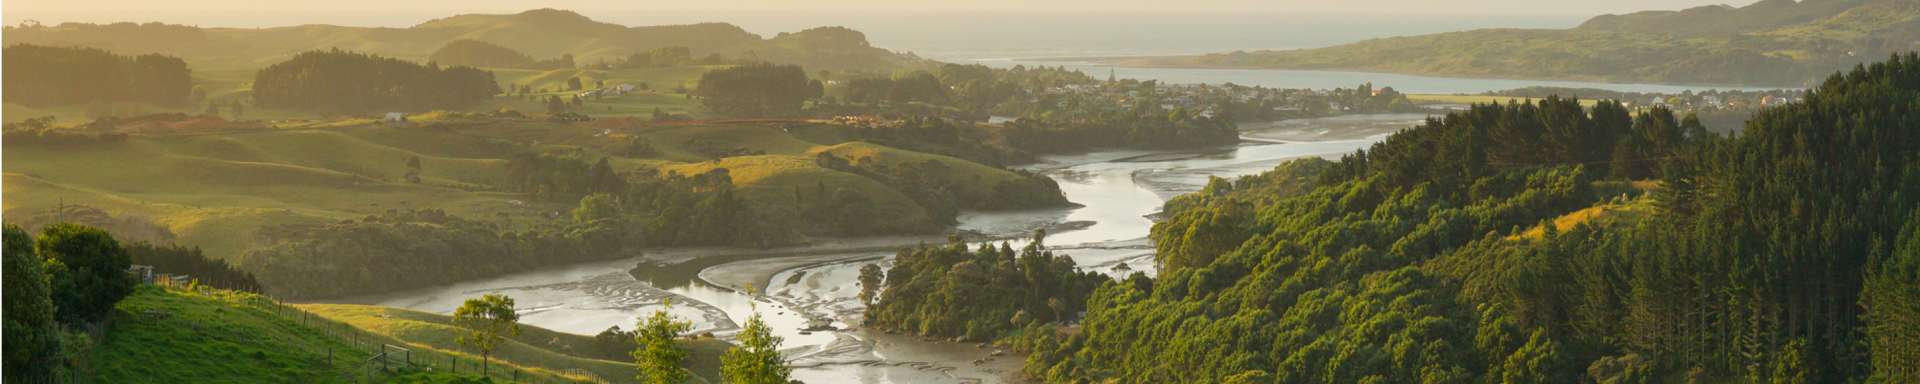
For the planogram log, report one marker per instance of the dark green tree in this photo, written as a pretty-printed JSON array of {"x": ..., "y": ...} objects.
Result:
[
  {"x": 88, "y": 269},
  {"x": 756, "y": 358},
  {"x": 32, "y": 343},
  {"x": 659, "y": 353},
  {"x": 489, "y": 320}
]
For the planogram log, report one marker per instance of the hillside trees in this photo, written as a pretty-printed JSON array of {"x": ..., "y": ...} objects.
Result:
[
  {"x": 52, "y": 76},
  {"x": 756, "y": 90},
  {"x": 32, "y": 339},
  {"x": 977, "y": 294},
  {"x": 1779, "y": 255},
  {"x": 475, "y": 53},
  {"x": 481, "y": 54},
  {"x": 88, "y": 270},
  {"x": 182, "y": 260},
  {"x": 346, "y": 82}
]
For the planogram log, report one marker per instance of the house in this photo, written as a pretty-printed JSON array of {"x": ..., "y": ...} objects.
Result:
[
  {"x": 395, "y": 117},
  {"x": 624, "y": 88}
]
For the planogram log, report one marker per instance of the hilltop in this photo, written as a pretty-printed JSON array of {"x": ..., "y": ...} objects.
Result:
[
  {"x": 540, "y": 33},
  {"x": 1770, "y": 43}
]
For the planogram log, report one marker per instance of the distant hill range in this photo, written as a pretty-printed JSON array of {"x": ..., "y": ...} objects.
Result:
[
  {"x": 1769, "y": 43},
  {"x": 540, "y": 33}
]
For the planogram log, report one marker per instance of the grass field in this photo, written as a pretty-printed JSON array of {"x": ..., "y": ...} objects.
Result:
[
  {"x": 211, "y": 190},
  {"x": 161, "y": 335}
]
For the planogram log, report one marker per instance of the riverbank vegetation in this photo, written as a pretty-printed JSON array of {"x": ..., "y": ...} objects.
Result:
[
  {"x": 1420, "y": 259},
  {"x": 976, "y": 294}
]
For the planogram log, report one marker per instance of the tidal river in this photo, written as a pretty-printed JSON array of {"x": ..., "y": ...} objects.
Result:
[{"x": 813, "y": 287}]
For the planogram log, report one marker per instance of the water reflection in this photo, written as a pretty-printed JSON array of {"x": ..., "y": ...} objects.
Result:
[{"x": 811, "y": 286}]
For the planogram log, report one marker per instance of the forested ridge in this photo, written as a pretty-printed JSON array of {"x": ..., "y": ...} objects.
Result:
[
  {"x": 1786, "y": 253},
  {"x": 338, "y": 81},
  {"x": 47, "y": 75}
]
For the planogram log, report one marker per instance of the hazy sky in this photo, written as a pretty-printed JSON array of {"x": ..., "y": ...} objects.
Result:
[{"x": 64, "y": 9}]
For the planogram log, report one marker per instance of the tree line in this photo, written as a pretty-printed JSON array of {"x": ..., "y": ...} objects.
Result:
[
  {"x": 756, "y": 90},
  {"x": 481, "y": 54},
  {"x": 338, "y": 81},
  {"x": 58, "y": 284},
  {"x": 52, "y": 76},
  {"x": 975, "y": 294}
]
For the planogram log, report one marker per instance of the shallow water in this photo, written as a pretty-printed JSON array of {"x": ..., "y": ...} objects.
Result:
[{"x": 816, "y": 285}]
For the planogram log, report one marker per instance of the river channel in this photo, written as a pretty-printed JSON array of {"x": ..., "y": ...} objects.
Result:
[{"x": 813, "y": 286}]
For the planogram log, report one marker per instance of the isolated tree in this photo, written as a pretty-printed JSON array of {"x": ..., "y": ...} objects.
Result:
[
  {"x": 489, "y": 319},
  {"x": 556, "y": 106},
  {"x": 756, "y": 360},
  {"x": 31, "y": 341},
  {"x": 573, "y": 83},
  {"x": 870, "y": 279},
  {"x": 658, "y": 355},
  {"x": 413, "y": 169},
  {"x": 595, "y": 207},
  {"x": 88, "y": 269}
]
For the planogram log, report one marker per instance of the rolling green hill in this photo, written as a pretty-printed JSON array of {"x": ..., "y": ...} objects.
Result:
[
  {"x": 1770, "y": 43},
  {"x": 540, "y": 33},
  {"x": 180, "y": 335},
  {"x": 534, "y": 348},
  {"x": 218, "y": 186}
]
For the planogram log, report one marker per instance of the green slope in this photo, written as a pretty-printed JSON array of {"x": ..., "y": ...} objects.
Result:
[
  {"x": 534, "y": 348},
  {"x": 177, "y": 336}
]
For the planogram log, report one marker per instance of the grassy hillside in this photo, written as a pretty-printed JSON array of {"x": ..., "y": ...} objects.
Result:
[
  {"x": 540, "y": 33},
  {"x": 175, "y": 335},
  {"x": 1775, "y": 42},
  {"x": 534, "y": 348},
  {"x": 217, "y": 188}
]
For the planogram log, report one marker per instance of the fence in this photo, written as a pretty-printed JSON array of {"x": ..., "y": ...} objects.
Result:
[{"x": 385, "y": 360}]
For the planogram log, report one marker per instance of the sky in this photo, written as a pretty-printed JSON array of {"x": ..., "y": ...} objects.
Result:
[
  {"x": 940, "y": 29},
  {"x": 64, "y": 10}
]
